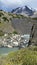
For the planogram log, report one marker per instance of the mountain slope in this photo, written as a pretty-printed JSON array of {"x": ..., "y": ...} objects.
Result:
[
  {"x": 6, "y": 21},
  {"x": 10, "y": 22},
  {"x": 23, "y": 10}
]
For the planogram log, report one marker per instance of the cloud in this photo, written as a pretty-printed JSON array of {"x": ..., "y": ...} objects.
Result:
[{"x": 9, "y": 4}]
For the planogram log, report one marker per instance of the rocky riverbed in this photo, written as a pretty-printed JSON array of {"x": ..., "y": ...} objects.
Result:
[{"x": 14, "y": 40}]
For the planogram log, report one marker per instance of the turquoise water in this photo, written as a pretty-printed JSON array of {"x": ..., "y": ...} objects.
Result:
[{"x": 7, "y": 50}]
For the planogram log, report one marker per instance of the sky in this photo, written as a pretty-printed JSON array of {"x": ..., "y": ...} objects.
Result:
[{"x": 8, "y": 5}]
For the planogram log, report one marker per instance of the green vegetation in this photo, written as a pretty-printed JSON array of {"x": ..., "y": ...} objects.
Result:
[
  {"x": 1, "y": 33},
  {"x": 16, "y": 15},
  {"x": 15, "y": 32},
  {"x": 5, "y": 19},
  {"x": 1, "y": 14},
  {"x": 34, "y": 18},
  {"x": 33, "y": 48},
  {"x": 23, "y": 57},
  {"x": 27, "y": 56}
]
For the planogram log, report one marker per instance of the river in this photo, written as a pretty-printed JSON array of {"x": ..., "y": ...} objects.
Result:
[{"x": 7, "y": 50}]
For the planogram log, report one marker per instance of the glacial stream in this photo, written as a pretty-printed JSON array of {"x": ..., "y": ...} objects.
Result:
[{"x": 7, "y": 50}]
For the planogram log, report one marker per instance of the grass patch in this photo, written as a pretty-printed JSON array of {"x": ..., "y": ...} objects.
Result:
[
  {"x": 1, "y": 33},
  {"x": 15, "y": 32},
  {"x": 5, "y": 19},
  {"x": 22, "y": 57}
]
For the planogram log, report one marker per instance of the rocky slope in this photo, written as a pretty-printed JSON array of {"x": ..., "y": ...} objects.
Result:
[
  {"x": 21, "y": 24},
  {"x": 9, "y": 22},
  {"x": 6, "y": 21}
]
